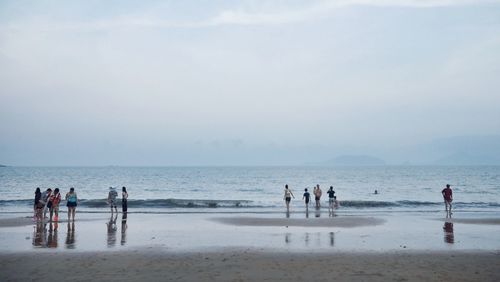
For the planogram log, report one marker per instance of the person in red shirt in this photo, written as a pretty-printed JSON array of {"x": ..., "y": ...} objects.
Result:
[
  {"x": 448, "y": 198},
  {"x": 53, "y": 204}
]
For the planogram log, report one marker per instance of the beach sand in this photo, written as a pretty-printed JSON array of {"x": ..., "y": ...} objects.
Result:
[
  {"x": 250, "y": 247},
  {"x": 250, "y": 266}
]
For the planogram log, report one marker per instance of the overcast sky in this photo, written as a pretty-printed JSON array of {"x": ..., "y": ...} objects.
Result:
[{"x": 241, "y": 82}]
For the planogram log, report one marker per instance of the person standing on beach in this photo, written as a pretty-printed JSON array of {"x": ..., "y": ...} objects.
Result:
[
  {"x": 112, "y": 199},
  {"x": 288, "y": 197},
  {"x": 72, "y": 202},
  {"x": 317, "y": 196},
  {"x": 45, "y": 201},
  {"x": 38, "y": 197},
  {"x": 124, "y": 199},
  {"x": 306, "y": 197},
  {"x": 331, "y": 199},
  {"x": 448, "y": 198},
  {"x": 53, "y": 204}
]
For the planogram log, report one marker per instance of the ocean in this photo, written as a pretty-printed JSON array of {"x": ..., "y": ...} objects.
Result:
[{"x": 256, "y": 189}]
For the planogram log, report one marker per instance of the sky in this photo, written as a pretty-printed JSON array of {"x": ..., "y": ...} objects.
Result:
[{"x": 242, "y": 82}]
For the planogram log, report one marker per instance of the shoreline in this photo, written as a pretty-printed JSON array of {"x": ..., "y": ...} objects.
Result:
[
  {"x": 191, "y": 232},
  {"x": 246, "y": 247}
]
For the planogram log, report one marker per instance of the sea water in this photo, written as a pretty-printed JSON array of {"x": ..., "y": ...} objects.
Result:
[{"x": 256, "y": 189}]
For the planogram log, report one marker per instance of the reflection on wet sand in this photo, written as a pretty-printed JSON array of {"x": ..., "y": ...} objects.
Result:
[
  {"x": 449, "y": 237},
  {"x": 70, "y": 236},
  {"x": 307, "y": 238},
  {"x": 40, "y": 234},
  {"x": 52, "y": 238},
  {"x": 124, "y": 229},
  {"x": 111, "y": 227},
  {"x": 318, "y": 212}
]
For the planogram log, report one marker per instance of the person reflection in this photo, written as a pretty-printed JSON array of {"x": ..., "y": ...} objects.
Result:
[
  {"x": 449, "y": 237},
  {"x": 318, "y": 212},
  {"x": 287, "y": 213},
  {"x": 52, "y": 237},
  {"x": 40, "y": 234},
  {"x": 70, "y": 235},
  {"x": 124, "y": 229},
  {"x": 306, "y": 239},
  {"x": 111, "y": 227},
  {"x": 332, "y": 239},
  {"x": 307, "y": 212},
  {"x": 288, "y": 238}
]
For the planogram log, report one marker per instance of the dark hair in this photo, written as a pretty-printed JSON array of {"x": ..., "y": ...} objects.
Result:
[
  {"x": 48, "y": 189},
  {"x": 331, "y": 187},
  {"x": 71, "y": 189},
  {"x": 286, "y": 186},
  {"x": 124, "y": 189},
  {"x": 305, "y": 189},
  {"x": 37, "y": 190},
  {"x": 56, "y": 190},
  {"x": 448, "y": 185}
]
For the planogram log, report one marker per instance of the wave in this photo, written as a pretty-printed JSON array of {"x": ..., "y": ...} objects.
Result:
[
  {"x": 151, "y": 203},
  {"x": 203, "y": 203}
]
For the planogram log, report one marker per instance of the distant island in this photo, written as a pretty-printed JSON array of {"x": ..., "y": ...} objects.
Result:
[
  {"x": 354, "y": 160},
  {"x": 1, "y": 165}
]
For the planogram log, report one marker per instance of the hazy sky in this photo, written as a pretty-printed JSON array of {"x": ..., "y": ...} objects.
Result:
[{"x": 241, "y": 82}]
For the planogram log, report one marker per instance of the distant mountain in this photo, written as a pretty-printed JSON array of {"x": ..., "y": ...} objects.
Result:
[
  {"x": 1, "y": 165},
  {"x": 354, "y": 160}
]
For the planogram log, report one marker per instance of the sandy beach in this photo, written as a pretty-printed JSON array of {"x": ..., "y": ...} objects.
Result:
[
  {"x": 242, "y": 265},
  {"x": 249, "y": 247}
]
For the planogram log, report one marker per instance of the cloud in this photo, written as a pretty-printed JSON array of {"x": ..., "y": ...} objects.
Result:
[{"x": 266, "y": 15}]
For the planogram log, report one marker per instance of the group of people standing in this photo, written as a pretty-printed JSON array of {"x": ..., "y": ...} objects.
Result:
[
  {"x": 317, "y": 192},
  {"x": 334, "y": 204},
  {"x": 50, "y": 200},
  {"x": 113, "y": 195}
]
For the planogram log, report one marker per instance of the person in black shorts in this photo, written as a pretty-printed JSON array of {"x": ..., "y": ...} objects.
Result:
[
  {"x": 288, "y": 197},
  {"x": 306, "y": 197},
  {"x": 317, "y": 196}
]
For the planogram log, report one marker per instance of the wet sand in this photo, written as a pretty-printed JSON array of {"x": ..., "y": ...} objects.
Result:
[
  {"x": 243, "y": 265},
  {"x": 246, "y": 247},
  {"x": 487, "y": 221},
  {"x": 346, "y": 221}
]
